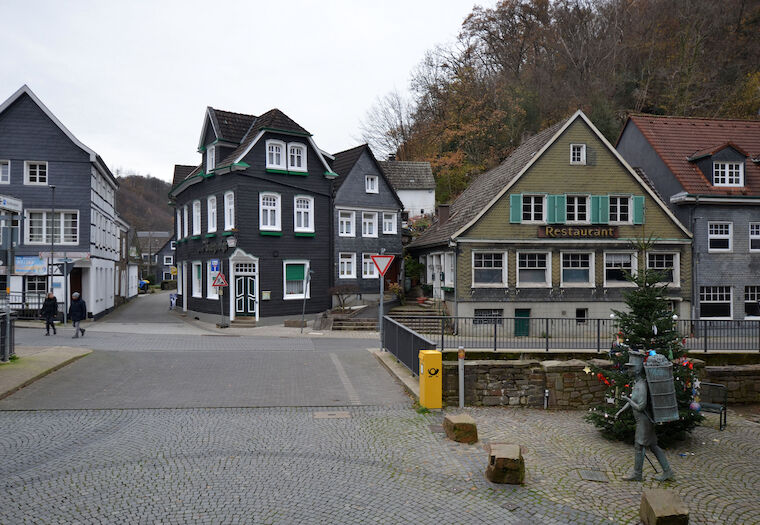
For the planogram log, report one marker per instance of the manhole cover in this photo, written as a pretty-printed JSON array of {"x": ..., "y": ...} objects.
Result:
[
  {"x": 436, "y": 429},
  {"x": 593, "y": 475},
  {"x": 331, "y": 415},
  {"x": 509, "y": 506}
]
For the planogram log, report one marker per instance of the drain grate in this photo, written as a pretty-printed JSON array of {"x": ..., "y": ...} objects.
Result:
[
  {"x": 332, "y": 415},
  {"x": 593, "y": 475}
]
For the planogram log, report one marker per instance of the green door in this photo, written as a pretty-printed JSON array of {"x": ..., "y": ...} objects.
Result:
[{"x": 522, "y": 322}]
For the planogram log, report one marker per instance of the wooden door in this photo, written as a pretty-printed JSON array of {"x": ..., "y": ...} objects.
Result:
[{"x": 245, "y": 295}]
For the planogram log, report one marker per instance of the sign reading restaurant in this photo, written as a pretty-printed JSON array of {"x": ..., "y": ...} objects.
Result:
[{"x": 578, "y": 232}]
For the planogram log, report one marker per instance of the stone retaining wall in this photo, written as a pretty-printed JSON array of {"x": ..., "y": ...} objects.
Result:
[{"x": 523, "y": 382}]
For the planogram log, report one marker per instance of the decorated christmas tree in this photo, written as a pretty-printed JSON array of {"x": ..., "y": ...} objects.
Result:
[{"x": 648, "y": 324}]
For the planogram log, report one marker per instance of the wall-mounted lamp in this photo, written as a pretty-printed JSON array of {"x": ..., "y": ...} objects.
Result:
[{"x": 232, "y": 241}]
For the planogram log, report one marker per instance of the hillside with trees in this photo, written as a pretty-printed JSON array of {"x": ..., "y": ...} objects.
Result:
[
  {"x": 142, "y": 202},
  {"x": 524, "y": 64}
]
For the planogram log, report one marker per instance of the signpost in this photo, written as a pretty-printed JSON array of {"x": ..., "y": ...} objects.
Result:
[
  {"x": 220, "y": 281},
  {"x": 382, "y": 263}
]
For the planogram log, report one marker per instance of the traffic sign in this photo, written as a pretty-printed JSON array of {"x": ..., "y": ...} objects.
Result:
[
  {"x": 214, "y": 263},
  {"x": 173, "y": 270},
  {"x": 382, "y": 262},
  {"x": 220, "y": 280}
]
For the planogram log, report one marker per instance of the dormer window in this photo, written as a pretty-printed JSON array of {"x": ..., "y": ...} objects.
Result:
[
  {"x": 275, "y": 155},
  {"x": 210, "y": 159},
  {"x": 578, "y": 154},
  {"x": 296, "y": 157},
  {"x": 728, "y": 174},
  {"x": 370, "y": 183}
]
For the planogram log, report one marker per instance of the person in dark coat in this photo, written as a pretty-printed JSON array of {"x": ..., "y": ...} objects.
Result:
[
  {"x": 77, "y": 313},
  {"x": 49, "y": 311}
]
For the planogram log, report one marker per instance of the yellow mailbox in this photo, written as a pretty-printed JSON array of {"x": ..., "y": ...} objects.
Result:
[{"x": 431, "y": 379}]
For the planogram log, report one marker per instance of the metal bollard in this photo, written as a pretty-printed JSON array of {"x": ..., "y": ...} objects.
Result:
[{"x": 460, "y": 357}]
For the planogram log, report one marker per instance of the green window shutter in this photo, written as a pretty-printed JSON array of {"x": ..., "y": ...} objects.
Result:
[
  {"x": 560, "y": 205},
  {"x": 515, "y": 208},
  {"x": 638, "y": 209},
  {"x": 604, "y": 209},
  {"x": 551, "y": 211},
  {"x": 294, "y": 272},
  {"x": 594, "y": 209}
]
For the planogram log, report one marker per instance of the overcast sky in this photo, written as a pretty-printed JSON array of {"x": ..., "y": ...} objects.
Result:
[{"x": 132, "y": 79}]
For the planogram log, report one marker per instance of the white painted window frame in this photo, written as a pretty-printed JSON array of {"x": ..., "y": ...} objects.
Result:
[
  {"x": 532, "y": 208},
  {"x": 587, "y": 220},
  {"x": 747, "y": 298},
  {"x": 634, "y": 269},
  {"x": 211, "y": 218},
  {"x": 371, "y": 183},
  {"x": 308, "y": 228},
  {"x": 7, "y": 164},
  {"x": 352, "y": 257},
  {"x": 197, "y": 217},
  {"x": 291, "y": 296},
  {"x": 676, "y": 265},
  {"x": 730, "y": 301},
  {"x": 229, "y": 210},
  {"x": 196, "y": 284},
  {"x": 374, "y": 224},
  {"x": 580, "y": 161},
  {"x": 367, "y": 258},
  {"x": 271, "y": 165},
  {"x": 27, "y": 172},
  {"x": 723, "y": 166},
  {"x": 393, "y": 220},
  {"x": 277, "y": 209},
  {"x": 211, "y": 291},
  {"x": 352, "y": 222},
  {"x": 504, "y": 272},
  {"x": 292, "y": 167},
  {"x": 185, "y": 221},
  {"x": 210, "y": 159},
  {"x": 754, "y": 236},
  {"x": 617, "y": 216},
  {"x": 729, "y": 236},
  {"x": 45, "y": 233},
  {"x": 168, "y": 260},
  {"x": 179, "y": 223},
  {"x": 591, "y": 282},
  {"x": 547, "y": 271}
]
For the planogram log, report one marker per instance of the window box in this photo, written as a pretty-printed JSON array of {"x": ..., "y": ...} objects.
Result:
[
  {"x": 195, "y": 237},
  {"x": 210, "y": 235},
  {"x": 227, "y": 234},
  {"x": 270, "y": 234},
  {"x": 278, "y": 172},
  {"x": 304, "y": 234}
]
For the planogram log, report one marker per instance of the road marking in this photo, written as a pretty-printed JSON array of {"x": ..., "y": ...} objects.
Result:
[{"x": 353, "y": 397}]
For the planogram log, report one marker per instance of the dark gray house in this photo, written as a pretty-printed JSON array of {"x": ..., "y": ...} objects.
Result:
[
  {"x": 64, "y": 192},
  {"x": 366, "y": 221},
  {"x": 258, "y": 209},
  {"x": 707, "y": 171},
  {"x": 165, "y": 260}
]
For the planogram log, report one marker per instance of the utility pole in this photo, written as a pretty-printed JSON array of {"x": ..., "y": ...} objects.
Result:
[{"x": 52, "y": 234}]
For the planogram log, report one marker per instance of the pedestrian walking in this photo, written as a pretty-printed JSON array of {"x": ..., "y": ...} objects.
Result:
[
  {"x": 77, "y": 313},
  {"x": 49, "y": 311}
]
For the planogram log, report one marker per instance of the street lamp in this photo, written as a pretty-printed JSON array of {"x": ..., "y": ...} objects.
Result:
[{"x": 52, "y": 234}]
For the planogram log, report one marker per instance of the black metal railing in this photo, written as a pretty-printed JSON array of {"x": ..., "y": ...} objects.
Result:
[
  {"x": 405, "y": 343},
  {"x": 570, "y": 334},
  {"x": 4, "y": 333},
  {"x": 23, "y": 305}
]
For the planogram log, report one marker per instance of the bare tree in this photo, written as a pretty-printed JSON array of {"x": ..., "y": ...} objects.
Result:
[{"x": 388, "y": 124}]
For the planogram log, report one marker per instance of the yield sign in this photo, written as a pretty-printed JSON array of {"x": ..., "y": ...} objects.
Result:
[
  {"x": 220, "y": 280},
  {"x": 382, "y": 262}
]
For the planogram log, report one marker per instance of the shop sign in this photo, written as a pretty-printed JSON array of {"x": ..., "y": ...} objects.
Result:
[
  {"x": 578, "y": 232},
  {"x": 30, "y": 265}
]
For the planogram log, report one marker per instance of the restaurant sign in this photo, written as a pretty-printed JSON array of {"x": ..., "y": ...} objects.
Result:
[{"x": 578, "y": 232}]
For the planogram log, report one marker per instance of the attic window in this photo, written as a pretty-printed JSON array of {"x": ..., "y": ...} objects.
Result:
[
  {"x": 275, "y": 154},
  {"x": 578, "y": 154},
  {"x": 210, "y": 159},
  {"x": 728, "y": 174},
  {"x": 370, "y": 184},
  {"x": 296, "y": 157}
]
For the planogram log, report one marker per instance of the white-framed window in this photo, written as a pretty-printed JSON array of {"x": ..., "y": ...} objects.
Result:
[
  {"x": 489, "y": 269},
  {"x": 347, "y": 266},
  {"x": 715, "y": 302},
  {"x": 533, "y": 208},
  {"x": 35, "y": 172},
  {"x": 617, "y": 265},
  {"x": 369, "y": 224},
  {"x": 719, "y": 236},
  {"x": 172, "y": 245},
  {"x": 369, "y": 270},
  {"x": 168, "y": 260},
  {"x": 752, "y": 301},
  {"x": 665, "y": 263},
  {"x": 488, "y": 316},
  {"x": 577, "y": 154},
  {"x": 389, "y": 223},
  {"x": 296, "y": 157},
  {"x": 196, "y": 217},
  {"x": 5, "y": 172},
  {"x": 275, "y": 154},
  {"x": 295, "y": 279},
  {"x": 370, "y": 184},
  {"x": 346, "y": 224},
  {"x": 269, "y": 212},
  {"x": 179, "y": 224},
  {"x": 35, "y": 284},
  {"x": 212, "y": 292},
  {"x": 577, "y": 208},
  {"x": 197, "y": 279},
  {"x": 211, "y": 214},
  {"x": 728, "y": 173},
  {"x": 303, "y": 213},
  {"x": 210, "y": 159},
  {"x": 754, "y": 236},
  {"x": 229, "y": 210},
  {"x": 167, "y": 276},
  {"x": 534, "y": 269},
  {"x": 185, "y": 221},
  {"x": 577, "y": 269},
  {"x": 42, "y": 226},
  {"x": 620, "y": 209}
]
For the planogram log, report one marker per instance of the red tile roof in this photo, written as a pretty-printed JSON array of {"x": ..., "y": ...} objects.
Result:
[{"x": 677, "y": 139}]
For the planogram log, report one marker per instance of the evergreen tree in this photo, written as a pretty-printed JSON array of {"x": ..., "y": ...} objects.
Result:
[{"x": 648, "y": 324}]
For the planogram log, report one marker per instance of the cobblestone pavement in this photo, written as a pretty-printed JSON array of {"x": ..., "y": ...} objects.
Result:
[{"x": 379, "y": 465}]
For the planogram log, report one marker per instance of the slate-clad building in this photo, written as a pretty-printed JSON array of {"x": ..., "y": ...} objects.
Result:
[
  {"x": 708, "y": 172},
  {"x": 414, "y": 184},
  {"x": 366, "y": 221},
  {"x": 65, "y": 193},
  {"x": 259, "y": 205},
  {"x": 550, "y": 233}
]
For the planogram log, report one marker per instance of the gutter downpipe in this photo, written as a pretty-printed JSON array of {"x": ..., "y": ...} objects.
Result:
[{"x": 694, "y": 261}]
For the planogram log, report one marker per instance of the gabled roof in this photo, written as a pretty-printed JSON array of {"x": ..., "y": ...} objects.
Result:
[
  {"x": 679, "y": 139},
  {"x": 409, "y": 175},
  {"x": 345, "y": 161},
  {"x": 477, "y": 196},
  {"x": 181, "y": 172},
  {"x": 95, "y": 159},
  {"x": 232, "y": 126}
]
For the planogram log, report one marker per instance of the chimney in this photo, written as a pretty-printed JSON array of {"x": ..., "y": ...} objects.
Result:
[
  {"x": 443, "y": 213},
  {"x": 391, "y": 156}
]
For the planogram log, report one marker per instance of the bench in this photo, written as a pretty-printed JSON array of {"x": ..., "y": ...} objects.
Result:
[{"x": 713, "y": 397}]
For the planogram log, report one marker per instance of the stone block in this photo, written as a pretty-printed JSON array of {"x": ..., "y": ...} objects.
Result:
[
  {"x": 461, "y": 428},
  {"x": 505, "y": 464},
  {"x": 662, "y": 507}
]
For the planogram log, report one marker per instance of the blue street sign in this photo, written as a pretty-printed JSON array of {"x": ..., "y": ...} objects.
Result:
[{"x": 214, "y": 265}]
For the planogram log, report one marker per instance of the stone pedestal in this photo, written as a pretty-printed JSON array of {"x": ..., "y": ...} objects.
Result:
[
  {"x": 662, "y": 507},
  {"x": 460, "y": 428},
  {"x": 505, "y": 464}
]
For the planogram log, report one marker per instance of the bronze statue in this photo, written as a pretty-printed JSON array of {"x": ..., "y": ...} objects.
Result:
[{"x": 645, "y": 434}]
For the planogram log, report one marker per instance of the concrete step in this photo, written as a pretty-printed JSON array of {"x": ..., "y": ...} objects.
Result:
[
  {"x": 355, "y": 324},
  {"x": 244, "y": 322}
]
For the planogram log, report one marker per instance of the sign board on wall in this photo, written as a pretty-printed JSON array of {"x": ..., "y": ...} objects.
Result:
[
  {"x": 578, "y": 232},
  {"x": 30, "y": 265}
]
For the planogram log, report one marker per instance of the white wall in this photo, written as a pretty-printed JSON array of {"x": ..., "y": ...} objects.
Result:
[
  {"x": 416, "y": 200},
  {"x": 131, "y": 280}
]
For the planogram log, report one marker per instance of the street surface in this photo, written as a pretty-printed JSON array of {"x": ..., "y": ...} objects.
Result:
[{"x": 174, "y": 424}]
